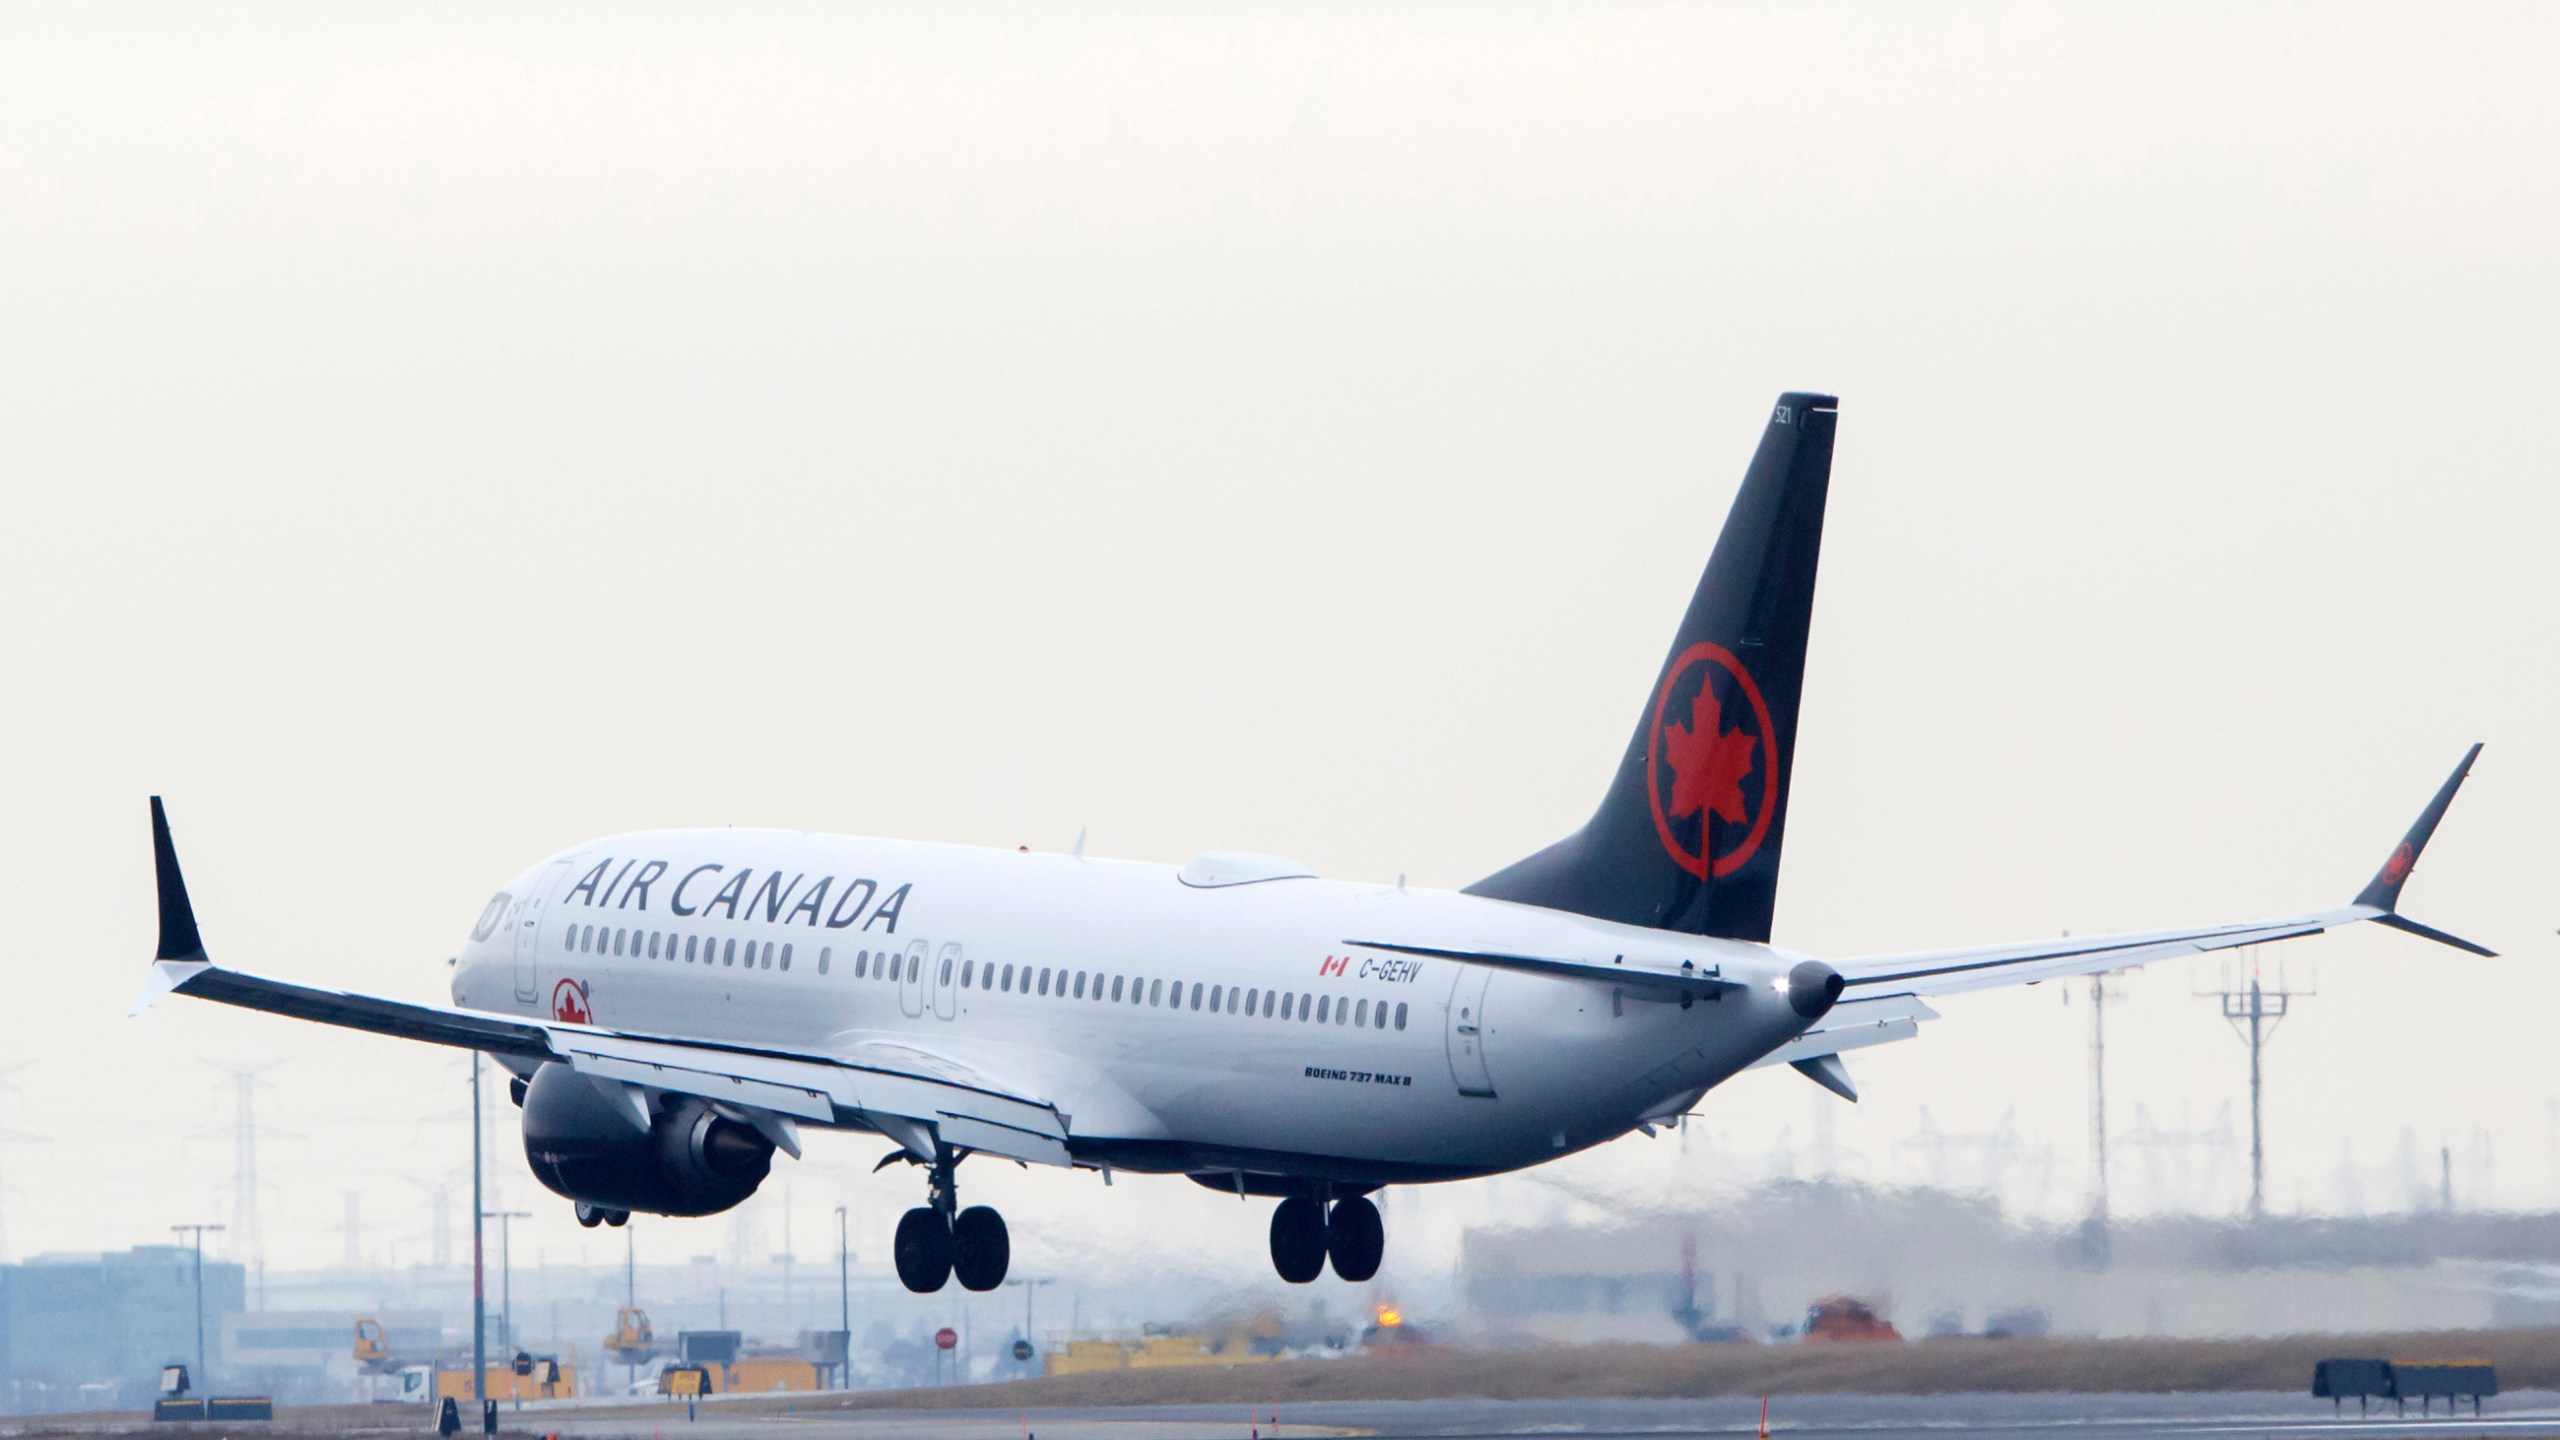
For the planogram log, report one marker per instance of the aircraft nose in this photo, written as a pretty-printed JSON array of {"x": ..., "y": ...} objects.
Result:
[{"x": 1813, "y": 988}]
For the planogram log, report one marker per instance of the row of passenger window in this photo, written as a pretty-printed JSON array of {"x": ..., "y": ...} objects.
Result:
[
  {"x": 1123, "y": 989},
  {"x": 696, "y": 949},
  {"x": 1024, "y": 980}
]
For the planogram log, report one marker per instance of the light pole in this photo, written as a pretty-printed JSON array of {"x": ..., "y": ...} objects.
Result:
[
  {"x": 479, "y": 1270},
  {"x": 1030, "y": 1288},
  {"x": 507, "y": 1277},
  {"x": 844, "y": 1299},
  {"x": 507, "y": 1298},
  {"x": 630, "y": 1293},
  {"x": 195, "y": 1234}
]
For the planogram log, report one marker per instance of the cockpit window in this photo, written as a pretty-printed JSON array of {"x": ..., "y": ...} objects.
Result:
[{"x": 490, "y": 917}]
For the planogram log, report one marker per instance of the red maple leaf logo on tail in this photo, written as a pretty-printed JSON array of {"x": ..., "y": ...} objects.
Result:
[
  {"x": 2396, "y": 869},
  {"x": 1708, "y": 762}
]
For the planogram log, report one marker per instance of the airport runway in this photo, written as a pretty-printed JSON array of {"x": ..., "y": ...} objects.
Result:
[{"x": 1807, "y": 1417}]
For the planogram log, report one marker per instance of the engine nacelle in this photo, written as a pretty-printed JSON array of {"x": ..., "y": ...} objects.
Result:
[{"x": 691, "y": 1160}]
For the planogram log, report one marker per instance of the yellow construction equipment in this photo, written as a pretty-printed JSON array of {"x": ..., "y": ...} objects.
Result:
[
  {"x": 373, "y": 1348},
  {"x": 552, "y": 1379},
  {"x": 631, "y": 1341},
  {"x": 764, "y": 1374}
]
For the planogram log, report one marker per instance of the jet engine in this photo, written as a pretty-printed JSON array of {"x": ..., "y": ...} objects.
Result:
[{"x": 588, "y": 1144}]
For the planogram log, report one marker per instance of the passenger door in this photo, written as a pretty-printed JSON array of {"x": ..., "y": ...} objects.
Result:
[
  {"x": 528, "y": 928},
  {"x": 946, "y": 983},
  {"x": 911, "y": 980}
]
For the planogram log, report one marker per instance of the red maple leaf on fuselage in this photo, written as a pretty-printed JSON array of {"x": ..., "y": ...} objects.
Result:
[{"x": 1708, "y": 762}]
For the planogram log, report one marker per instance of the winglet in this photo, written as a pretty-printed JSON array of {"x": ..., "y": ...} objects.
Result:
[
  {"x": 166, "y": 976},
  {"x": 179, "y": 939},
  {"x": 2382, "y": 892},
  {"x": 2398, "y": 921}
]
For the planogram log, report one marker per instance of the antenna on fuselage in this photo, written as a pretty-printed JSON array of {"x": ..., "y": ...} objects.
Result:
[{"x": 1080, "y": 841}]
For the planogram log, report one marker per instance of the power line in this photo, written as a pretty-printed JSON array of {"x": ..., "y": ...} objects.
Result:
[
  {"x": 2254, "y": 1014},
  {"x": 247, "y": 1235}
]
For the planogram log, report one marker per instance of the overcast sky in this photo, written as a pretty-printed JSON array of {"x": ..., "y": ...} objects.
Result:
[{"x": 437, "y": 436}]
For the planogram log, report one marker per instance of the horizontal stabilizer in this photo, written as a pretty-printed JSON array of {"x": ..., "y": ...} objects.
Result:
[{"x": 1855, "y": 1025}]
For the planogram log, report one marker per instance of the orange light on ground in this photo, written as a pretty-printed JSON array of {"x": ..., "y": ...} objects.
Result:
[{"x": 1389, "y": 1317}]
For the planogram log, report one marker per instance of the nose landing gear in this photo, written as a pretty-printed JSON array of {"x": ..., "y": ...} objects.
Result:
[
  {"x": 592, "y": 1216},
  {"x": 937, "y": 1240},
  {"x": 1304, "y": 1236}
]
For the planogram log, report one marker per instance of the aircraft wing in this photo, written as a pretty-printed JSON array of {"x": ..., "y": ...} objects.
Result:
[
  {"x": 1944, "y": 972},
  {"x": 1882, "y": 1002},
  {"x": 912, "y": 1096}
]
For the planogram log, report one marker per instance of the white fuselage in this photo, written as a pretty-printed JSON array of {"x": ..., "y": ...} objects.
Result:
[{"x": 1168, "y": 1021}]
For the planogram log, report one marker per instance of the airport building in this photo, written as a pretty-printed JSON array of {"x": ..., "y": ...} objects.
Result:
[{"x": 91, "y": 1331}]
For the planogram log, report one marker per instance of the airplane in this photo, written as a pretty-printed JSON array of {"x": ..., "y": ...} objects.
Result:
[{"x": 676, "y": 1006}]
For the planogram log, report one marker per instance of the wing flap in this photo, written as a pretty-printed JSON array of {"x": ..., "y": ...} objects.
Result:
[
  {"x": 872, "y": 1082},
  {"x": 682, "y": 1070},
  {"x": 974, "y": 1134},
  {"x": 1854, "y": 1025}
]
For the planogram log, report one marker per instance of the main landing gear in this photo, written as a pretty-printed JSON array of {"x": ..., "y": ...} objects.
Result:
[
  {"x": 592, "y": 1216},
  {"x": 1304, "y": 1235},
  {"x": 937, "y": 1240}
]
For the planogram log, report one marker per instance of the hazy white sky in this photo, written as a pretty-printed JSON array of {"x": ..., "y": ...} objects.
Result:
[{"x": 433, "y": 437}]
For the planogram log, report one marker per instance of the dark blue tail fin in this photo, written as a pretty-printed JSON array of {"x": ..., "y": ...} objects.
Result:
[{"x": 1689, "y": 834}]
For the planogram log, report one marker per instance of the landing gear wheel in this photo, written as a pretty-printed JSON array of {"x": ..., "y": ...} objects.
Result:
[
  {"x": 617, "y": 1218},
  {"x": 589, "y": 1215},
  {"x": 1297, "y": 1239},
  {"x": 922, "y": 1250},
  {"x": 981, "y": 1250},
  {"x": 1356, "y": 1238}
]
